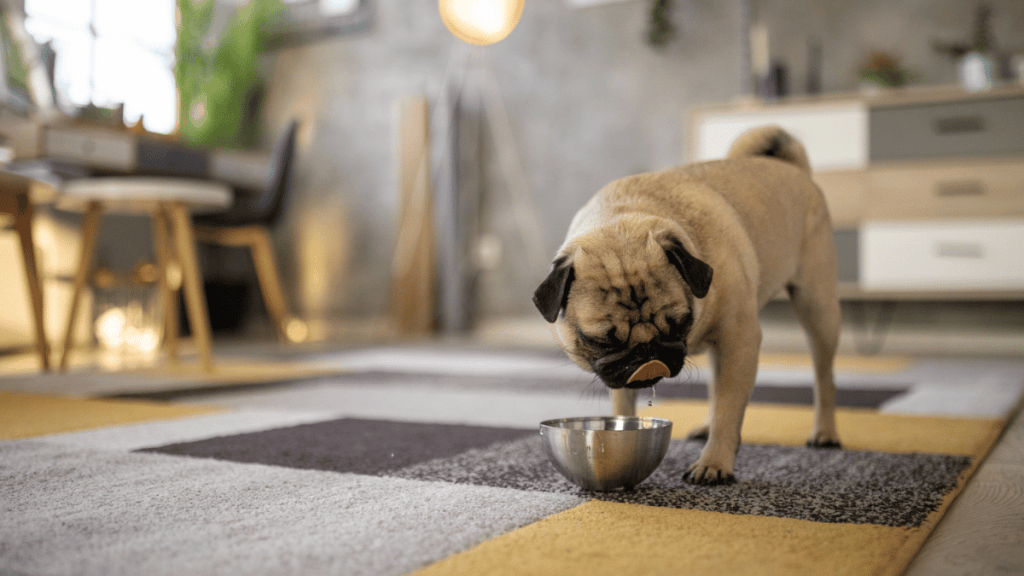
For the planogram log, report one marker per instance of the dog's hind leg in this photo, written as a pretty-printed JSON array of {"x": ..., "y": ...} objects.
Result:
[{"x": 816, "y": 306}]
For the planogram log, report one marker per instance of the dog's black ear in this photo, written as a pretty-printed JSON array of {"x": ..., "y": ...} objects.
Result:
[
  {"x": 553, "y": 293},
  {"x": 695, "y": 273}
]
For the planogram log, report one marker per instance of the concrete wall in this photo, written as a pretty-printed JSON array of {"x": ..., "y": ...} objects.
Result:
[{"x": 589, "y": 100}]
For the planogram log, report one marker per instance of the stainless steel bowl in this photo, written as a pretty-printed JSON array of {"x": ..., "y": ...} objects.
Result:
[{"x": 605, "y": 453}]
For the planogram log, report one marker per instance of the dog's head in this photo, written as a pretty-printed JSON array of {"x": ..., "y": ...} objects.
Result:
[{"x": 621, "y": 299}]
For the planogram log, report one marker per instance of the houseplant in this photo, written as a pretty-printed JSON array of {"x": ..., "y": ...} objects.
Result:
[{"x": 219, "y": 87}]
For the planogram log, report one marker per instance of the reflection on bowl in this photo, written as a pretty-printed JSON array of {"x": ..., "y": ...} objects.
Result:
[{"x": 604, "y": 453}]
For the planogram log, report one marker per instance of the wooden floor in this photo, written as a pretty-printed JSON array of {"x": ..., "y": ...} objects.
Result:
[{"x": 982, "y": 534}]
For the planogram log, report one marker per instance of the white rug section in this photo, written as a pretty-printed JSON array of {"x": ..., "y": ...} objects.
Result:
[
  {"x": 150, "y": 434},
  {"x": 768, "y": 377},
  {"x": 980, "y": 398},
  {"x": 418, "y": 403},
  {"x": 83, "y": 512},
  {"x": 450, "y": 361},
  {"x": 92, "y": 385},
  {"x": 442, "y": 361}
]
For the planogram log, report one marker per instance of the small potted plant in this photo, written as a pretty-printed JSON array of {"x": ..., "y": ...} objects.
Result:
[
  {"x": 660, "y": 29},
  {"x": 882, "y": 70}
]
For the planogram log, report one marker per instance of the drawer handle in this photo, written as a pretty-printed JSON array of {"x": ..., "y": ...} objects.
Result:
[
  {"x": 960, "y": 188},
  {"x": 959, "y": 125},
  {"x": 968, "y": 250}
]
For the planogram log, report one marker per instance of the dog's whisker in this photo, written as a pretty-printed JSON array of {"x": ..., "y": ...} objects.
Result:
[{"x": 590, "y": 389}]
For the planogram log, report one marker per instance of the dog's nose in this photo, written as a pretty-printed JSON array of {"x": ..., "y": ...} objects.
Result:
[{"x": 650, "y": 371}]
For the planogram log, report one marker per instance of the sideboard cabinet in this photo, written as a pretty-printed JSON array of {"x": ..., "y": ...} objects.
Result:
[{"x": 925, "y": 186}]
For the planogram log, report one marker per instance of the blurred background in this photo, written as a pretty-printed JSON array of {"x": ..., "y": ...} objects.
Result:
[{"x": 519, "y": 135}]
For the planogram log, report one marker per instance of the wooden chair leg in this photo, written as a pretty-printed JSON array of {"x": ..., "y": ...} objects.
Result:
[
  {"x": 168, "y": 286},
  {"x": 23, "y": 224},
  {"x": 257, "y": 240},
  {"x": 270, "y": 282},
  {"x": 90, "y": 225},
  {"x": 195, "y": 297}
]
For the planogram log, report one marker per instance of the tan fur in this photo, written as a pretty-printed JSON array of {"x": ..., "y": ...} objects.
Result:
[{"x": 760, "y": 223}]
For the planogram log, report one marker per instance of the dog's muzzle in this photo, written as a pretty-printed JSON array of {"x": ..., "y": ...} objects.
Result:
[{"x": 640, "y": 368}]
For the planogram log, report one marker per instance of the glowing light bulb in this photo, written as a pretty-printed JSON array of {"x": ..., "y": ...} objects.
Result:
[
  {"x": 296, "y": 330},
  {"x": 110, "y": 328},
  {"x": 480, "y": 22}
]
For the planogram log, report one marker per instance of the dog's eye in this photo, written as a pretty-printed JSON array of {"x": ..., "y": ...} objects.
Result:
[
  {"x": 588, "y": 341},
  {"x": 592, "y": 341},
  {"x": 608, "y": 341}
]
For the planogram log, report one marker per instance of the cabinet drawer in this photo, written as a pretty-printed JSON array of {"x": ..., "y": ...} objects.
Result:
[
  {"x": 971, "y": 129},
  {"x": 942, "y": 255},
  {"x": 947, "y": 190},
  {"x": 844, "y": 192},
  {"x": 834, "y": 134}
]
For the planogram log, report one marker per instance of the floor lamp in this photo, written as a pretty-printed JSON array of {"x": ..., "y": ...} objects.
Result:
[{"x": 470, "y": 84}]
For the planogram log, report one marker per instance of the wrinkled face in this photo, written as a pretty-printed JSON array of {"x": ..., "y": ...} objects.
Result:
[
  {"x": 624, "y": 305},
  {"x": 621, "y": 315}
]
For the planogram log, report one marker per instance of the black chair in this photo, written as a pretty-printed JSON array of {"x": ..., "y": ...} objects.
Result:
[{"x": 247, "y": 225}]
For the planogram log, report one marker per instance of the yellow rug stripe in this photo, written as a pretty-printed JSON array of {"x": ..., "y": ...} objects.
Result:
[
  {"x": 867, "y": 364},
  {"x": 162, "y": 377},
  {"x": 859, "y": 429},
  {"x": 231, "y": 372},
  {"x": 855, "y": 364},
  {"x": 605, "y": 538},
  {"x": 27, "y": 415}
]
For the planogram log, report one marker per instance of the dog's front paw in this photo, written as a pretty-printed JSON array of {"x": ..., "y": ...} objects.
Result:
[
  {"x": 824, "y": 440},
  {"x": 707, "y": 474}
]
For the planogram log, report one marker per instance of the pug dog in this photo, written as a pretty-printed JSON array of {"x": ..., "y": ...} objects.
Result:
[{"x": 660, "y": 265}]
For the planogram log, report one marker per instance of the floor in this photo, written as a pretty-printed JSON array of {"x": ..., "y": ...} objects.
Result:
[{"x": 983, "y": 532}]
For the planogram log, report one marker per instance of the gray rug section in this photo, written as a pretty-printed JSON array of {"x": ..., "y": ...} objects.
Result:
[
  {"x": 835, "y": 486},
  {"x": 852, "y": 394},
  {"x": 78, "y": 511}
]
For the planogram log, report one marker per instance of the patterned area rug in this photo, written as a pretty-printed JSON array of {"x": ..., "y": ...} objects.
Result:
[
  {"x": 836, "y": 486},
  {"x": 387, "y": 471}
]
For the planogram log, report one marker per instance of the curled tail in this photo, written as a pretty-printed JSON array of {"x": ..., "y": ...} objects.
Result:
[{"x": 770, "y": 141}]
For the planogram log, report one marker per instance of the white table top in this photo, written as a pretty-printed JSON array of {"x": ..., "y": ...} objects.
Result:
[{"x": 142, "y": 194}]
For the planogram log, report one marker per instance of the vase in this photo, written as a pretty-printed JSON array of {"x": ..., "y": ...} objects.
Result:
[{"x": 977, "y": 71}]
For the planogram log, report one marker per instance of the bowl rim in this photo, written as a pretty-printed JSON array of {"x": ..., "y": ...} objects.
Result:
[{"x": 559, "y": 423}]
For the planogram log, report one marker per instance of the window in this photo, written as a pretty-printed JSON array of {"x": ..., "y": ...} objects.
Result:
[{"x": 111, "y": 52}]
